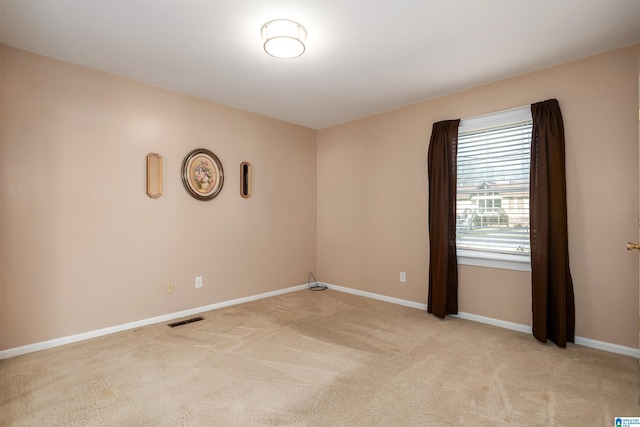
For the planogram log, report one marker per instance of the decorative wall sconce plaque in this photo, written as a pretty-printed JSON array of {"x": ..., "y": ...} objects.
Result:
[
  {"x": 245, "y": 180},
  {"x": 154, "y": 175},
  {"x": 202, "y": 174}
]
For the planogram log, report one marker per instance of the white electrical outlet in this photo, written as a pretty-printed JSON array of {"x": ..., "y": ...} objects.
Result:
[
  {"x": 199, "y": 282},
  {"x": 403, "y": 276}
]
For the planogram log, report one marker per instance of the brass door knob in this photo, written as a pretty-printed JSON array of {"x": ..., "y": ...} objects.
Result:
[{"x": 632, "y": 246}]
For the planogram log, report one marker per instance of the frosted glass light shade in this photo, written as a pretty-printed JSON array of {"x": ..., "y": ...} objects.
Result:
[{"x": 284, "y": 38}]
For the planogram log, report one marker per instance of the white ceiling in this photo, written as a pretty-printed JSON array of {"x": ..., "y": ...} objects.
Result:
[{"x": 363, "y": 56}]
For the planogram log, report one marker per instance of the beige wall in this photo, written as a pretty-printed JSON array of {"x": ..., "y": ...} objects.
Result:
[
  {"x": 1, "y": 199},
  {"x": 83, "y": 247},
  {"x": 372, "y": 196}
]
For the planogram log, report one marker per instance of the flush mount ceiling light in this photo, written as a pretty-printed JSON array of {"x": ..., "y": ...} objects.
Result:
[{"x": 283, "y": 38}]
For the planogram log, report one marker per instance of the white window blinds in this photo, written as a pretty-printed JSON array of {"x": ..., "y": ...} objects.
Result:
[{"x": 492, "y": 206}]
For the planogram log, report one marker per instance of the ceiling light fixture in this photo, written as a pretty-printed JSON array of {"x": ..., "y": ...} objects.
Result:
[{"x": 283, "y": 38}]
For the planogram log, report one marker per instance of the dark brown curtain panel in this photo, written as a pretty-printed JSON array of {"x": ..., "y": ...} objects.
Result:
[
  {"x": 552, "y": 287},
  {"x": 443, "y": 262}
]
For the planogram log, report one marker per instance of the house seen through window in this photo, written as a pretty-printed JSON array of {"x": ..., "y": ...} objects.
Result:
[{"x": 492, "y": 204}]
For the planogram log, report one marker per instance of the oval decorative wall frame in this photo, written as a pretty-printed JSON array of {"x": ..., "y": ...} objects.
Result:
[{"x": 202, "y": 174}]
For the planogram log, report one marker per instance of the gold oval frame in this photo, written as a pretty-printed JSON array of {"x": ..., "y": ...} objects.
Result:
[{"x": 202, "y": 174}]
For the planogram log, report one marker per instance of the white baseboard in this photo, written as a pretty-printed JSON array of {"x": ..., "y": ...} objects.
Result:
[
  {"x": 585, "y": 342},
  {"x": 12, "y": 352},
  {"x": 612, "y": 348},
  {"x": 378, "y": 296},
  {"x": 495, "y": 322}
]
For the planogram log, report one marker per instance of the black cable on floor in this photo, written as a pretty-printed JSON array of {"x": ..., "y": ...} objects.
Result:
[{"x": 315, "y": 286}]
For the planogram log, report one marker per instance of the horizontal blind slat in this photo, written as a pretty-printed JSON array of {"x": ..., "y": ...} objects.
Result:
[{"x": 493, "y": 188}]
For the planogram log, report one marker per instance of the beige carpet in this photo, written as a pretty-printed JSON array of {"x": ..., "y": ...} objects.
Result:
[{"x": 318, "y": 359}]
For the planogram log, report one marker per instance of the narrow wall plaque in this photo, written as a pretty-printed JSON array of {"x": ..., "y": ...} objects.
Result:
[
  {"x": 245, "y": 180},
  {"x": 154, "y": 175}
]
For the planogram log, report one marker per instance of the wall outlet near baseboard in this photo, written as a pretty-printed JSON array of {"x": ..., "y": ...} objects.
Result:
[
  {"x": 403, "y": 276},
  {"x": 199, "y": 282},
  {"x": 170, "y": 288}
]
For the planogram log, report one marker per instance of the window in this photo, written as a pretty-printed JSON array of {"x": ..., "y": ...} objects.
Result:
[{"x": 492, "y": 204}]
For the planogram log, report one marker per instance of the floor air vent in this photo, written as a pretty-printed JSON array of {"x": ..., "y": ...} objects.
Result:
[{"x": 184, "y": 322}]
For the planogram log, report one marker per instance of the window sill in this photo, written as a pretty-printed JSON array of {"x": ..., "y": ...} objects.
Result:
[{"x": 494, "y": 260}]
